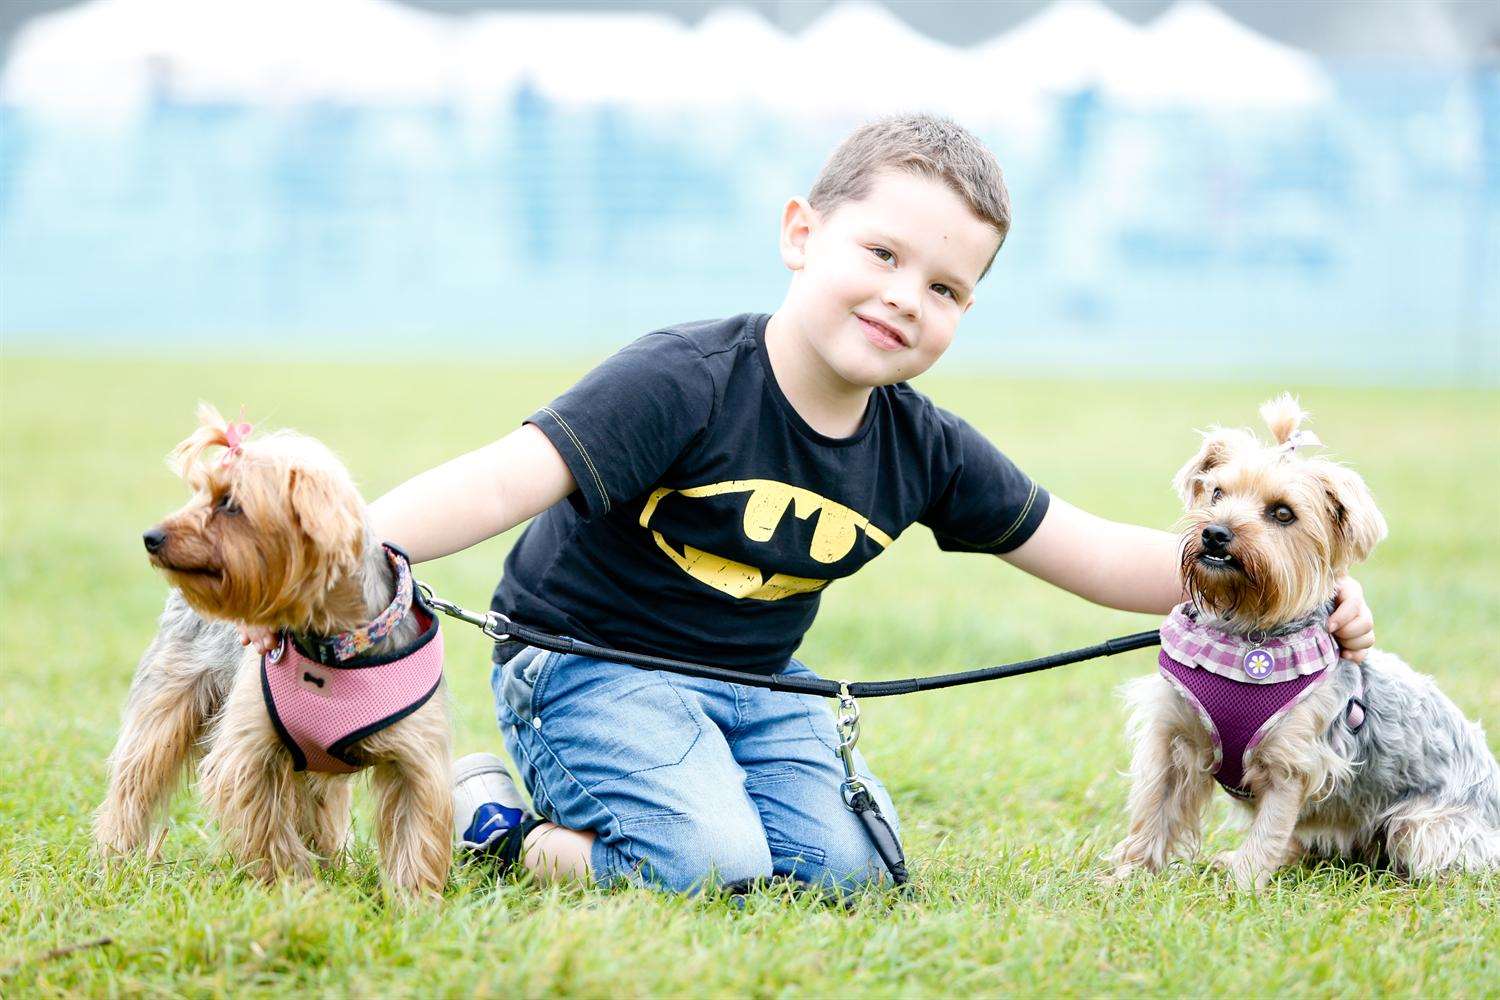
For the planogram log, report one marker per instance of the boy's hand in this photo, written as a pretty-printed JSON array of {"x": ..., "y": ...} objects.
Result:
[
  {"x": 1352, "y": 623},
  {"x": 262, "y": 638}
]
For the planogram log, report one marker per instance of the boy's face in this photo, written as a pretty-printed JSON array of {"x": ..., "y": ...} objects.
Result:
[{"x": 879, "y": 284}]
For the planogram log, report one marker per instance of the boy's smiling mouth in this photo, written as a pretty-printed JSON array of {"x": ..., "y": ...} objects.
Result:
[{"x": 882, "y": 335}]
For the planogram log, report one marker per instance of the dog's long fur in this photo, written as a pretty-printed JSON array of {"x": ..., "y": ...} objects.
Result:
[
  {"x": 1415, "y": 787},
  {"x": 275, "y": 536}
]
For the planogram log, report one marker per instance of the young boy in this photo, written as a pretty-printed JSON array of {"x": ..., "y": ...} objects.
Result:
[{"x": 697, "y": 491}]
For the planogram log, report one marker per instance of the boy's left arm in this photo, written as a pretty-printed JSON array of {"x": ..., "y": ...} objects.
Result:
[{"x": 1133, "y": 568}]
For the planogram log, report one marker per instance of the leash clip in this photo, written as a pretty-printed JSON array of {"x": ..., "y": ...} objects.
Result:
[
  {"x": 491, "y": 623},
  {"x": 848, "y": 728}
]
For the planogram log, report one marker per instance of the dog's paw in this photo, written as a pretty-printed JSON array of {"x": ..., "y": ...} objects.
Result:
[
  {"x": 1119, "y": 874},
  {"x": 111, "y": 841},
  {"x": 1247, "y": 876}
]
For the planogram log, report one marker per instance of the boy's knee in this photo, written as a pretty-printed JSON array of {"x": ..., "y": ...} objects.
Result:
[{"x": 843, "y": 864}]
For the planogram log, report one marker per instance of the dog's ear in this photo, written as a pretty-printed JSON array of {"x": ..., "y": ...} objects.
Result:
[
  {"x": 1219, "y": 446},
  {"x": 326, "y": 508},
  {"x": 1358, "y": 526}
]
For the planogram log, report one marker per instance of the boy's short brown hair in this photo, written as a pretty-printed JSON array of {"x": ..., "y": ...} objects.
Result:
[{"x": 921, "y": 144}]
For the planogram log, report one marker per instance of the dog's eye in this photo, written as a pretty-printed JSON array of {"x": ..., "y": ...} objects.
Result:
[
  {"x": 1282, "y": 514},
  {"x": 226, "y": 505},
  {"x": 1218, "y": 495}
]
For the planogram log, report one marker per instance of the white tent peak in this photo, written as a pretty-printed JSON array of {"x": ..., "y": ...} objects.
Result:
[
  {"x": 109, "y": 54},
  {"x": 1067, "y": 46},
  {"x": 1195, "y": 53}
]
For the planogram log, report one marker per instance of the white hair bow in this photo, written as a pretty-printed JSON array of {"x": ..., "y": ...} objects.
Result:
[{"x": 1301, "y": 439}]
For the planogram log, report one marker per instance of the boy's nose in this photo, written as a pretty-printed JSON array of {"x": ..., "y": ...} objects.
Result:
[{"x": 903, "y": 300}]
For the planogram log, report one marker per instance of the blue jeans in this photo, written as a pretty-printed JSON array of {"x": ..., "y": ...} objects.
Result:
[{"x": 685, "y": 782}]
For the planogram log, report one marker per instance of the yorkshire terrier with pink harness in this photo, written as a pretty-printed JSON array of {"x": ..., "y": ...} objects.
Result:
[
  {"x": 276, "y": 535},
  {"x": 1326, "y": 756}
]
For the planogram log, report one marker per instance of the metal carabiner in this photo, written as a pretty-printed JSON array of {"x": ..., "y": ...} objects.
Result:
[
  {"x": 848, "y": 728},
  {"x": 490, "y": 622},
  {"x": 491, "y": 627}
]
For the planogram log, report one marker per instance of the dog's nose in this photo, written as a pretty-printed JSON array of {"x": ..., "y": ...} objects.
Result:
[
  {"x": 154, "y": 539},
  {"x": 1216, "y": 537}
]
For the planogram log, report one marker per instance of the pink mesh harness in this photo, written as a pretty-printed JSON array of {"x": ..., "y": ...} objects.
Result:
[
  {"x": 321, "y": 709},
  {"x": 1241, "y": 689}
]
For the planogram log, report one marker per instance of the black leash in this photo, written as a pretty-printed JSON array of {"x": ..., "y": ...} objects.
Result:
[
  {"x": 502, "y": 629},
  {"x": 818, "y": 685},
  {"x": 857, "y": 797}
]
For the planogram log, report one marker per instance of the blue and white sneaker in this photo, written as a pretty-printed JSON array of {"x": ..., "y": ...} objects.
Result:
[{"x": 486, "y": 803}]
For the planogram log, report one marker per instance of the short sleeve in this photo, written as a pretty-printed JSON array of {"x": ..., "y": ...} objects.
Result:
[
  {"x": 981, "y": 501},
  {"x": 624, "y": 423}
]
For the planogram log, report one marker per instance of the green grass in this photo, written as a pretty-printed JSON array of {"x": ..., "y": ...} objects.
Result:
[{"x": 1008, "y": 791}]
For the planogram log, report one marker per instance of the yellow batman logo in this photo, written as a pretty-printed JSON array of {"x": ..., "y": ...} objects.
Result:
[{"x": 837, "y": 530}]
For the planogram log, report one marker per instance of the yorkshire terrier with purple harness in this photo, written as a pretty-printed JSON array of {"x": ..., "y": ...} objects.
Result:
[
  {"x": 276, "y": 535},
  {"x": 1327, "y": 757}
]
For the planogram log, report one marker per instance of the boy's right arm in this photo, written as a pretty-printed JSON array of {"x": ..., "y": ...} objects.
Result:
[
  {"x": 464, "y": 501},
  {"x": 473, "y": 497}
]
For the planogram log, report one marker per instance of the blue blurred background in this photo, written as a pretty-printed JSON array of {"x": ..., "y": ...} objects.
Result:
[{"x": 311, "y": 177}]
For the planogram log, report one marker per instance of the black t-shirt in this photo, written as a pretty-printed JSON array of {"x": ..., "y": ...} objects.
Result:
[{"x": 709, "y": 516}]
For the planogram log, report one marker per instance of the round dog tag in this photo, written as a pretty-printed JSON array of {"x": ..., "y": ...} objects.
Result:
[{"x": 1258, "y": 664}]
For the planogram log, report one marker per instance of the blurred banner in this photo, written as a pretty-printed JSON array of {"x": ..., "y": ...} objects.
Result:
[{"x": 1189, "y": 196}]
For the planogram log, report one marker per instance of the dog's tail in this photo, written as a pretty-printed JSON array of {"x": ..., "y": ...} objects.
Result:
[{"x": 1283, "y": 415}]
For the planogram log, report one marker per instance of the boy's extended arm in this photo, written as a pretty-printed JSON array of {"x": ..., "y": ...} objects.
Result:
[
  {"x": 1122, "y": 566},
  {"x": 1132, "y": 568},
  {"x": 474, "y": 496}
]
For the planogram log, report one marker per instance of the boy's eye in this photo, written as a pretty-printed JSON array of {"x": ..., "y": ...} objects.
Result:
[
  {"x": 882, "y": 254},
  {"x": 945, "y": 290},
  {"x": 226, "y": 505},
  {"x": 1282, "y": 514},
  {"x": 1218, "y": 495}
]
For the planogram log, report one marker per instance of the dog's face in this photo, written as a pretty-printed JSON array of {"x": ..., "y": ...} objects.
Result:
[
  {"x": 271, "y": 527},
  {"x": 1268, "y": 532}
]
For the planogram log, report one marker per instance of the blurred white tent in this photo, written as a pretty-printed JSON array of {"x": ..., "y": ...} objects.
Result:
[
  {"x": 1192, "y": 55},
  {"x": 112, "y": 55},
  {"x": 858, "y": 58},
  {"x": 1066, "y": 47},
  {"x": 578, "y": 57},
  {"x": 1196, "y": 54}
]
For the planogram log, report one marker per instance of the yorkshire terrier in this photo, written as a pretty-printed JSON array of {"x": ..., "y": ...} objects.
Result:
[
  {"x": 1325, "y": 756},
  {"x": 275, "y": 535}
]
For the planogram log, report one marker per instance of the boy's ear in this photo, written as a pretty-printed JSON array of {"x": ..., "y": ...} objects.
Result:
[{"x": 797, "y": 222}]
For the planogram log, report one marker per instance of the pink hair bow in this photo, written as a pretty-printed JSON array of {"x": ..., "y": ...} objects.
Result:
[{"x": 235, "y": 434}]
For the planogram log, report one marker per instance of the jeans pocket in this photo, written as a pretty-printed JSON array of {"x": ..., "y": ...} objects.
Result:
[{"x": 522, "y": 679}]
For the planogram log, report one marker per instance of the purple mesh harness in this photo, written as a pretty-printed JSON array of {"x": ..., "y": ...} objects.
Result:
[
  {"x": 1241, "y": 688},
  {"x": 323, "y": 704}
]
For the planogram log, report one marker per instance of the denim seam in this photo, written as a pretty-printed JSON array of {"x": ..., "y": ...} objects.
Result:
[
  {"x": 697, "y": 735},
  {"x": 785, "y": 850},
  {"x": 615, "y": 820},
  {"x": 739, "y": 711},
  {"x": 543, "y": 679},
  {"x": 807, "y": 714},
  {"x": 769, "y": 776}
]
